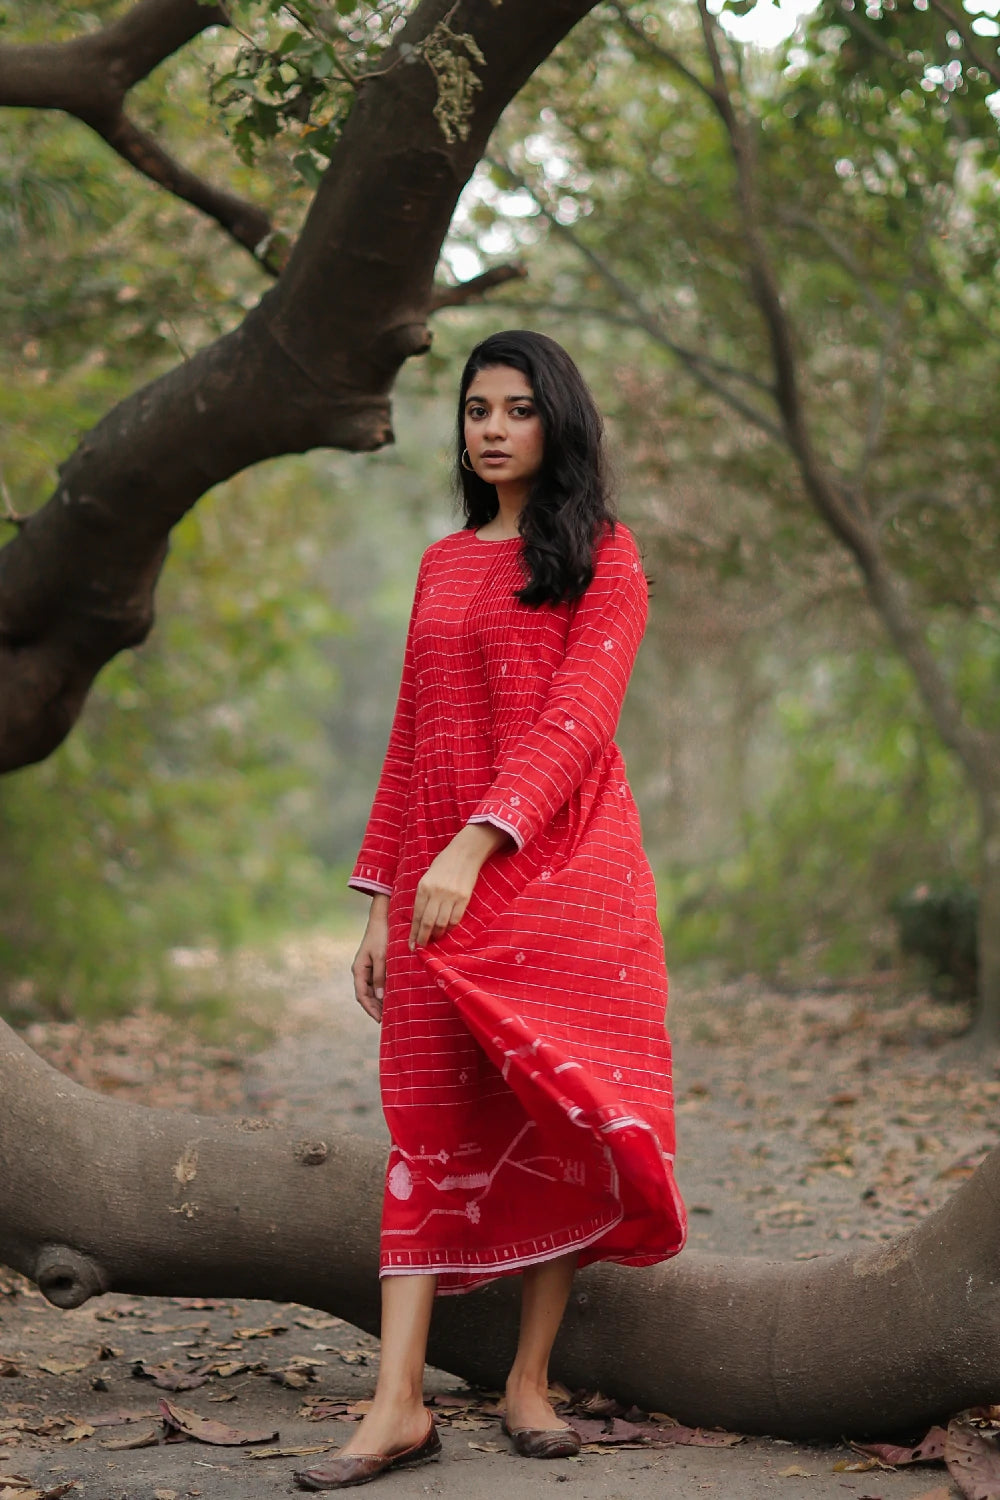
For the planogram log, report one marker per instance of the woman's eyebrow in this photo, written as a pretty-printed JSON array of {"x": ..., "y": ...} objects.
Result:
[{"x": 474, "y": 397}]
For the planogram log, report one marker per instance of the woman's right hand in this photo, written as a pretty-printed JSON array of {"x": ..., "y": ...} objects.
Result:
[{"x": 368, "y": 967}]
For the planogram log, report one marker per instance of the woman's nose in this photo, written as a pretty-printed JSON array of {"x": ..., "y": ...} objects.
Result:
[{"x": 496, "y": 426}]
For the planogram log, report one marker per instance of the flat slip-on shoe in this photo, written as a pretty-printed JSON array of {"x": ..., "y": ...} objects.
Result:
[
  {"x": 344, "y": 1470},
  {"x": 544, "y": 1442}
]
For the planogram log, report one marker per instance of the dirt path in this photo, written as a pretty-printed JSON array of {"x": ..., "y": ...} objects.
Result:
[{"x": 805, "y": 1124}]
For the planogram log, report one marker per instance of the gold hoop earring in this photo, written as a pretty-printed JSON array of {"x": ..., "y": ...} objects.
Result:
[{"x": 469, "y": 465}]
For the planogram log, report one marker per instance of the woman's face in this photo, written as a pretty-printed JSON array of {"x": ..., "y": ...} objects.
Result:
[{"x": 503, "y": 431}]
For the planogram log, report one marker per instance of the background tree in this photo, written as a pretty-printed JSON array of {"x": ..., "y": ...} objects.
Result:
[{"x": 827, "y": 276}]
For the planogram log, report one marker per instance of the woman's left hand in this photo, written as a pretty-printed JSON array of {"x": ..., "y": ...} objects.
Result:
[{"x": 444, "y": 892}]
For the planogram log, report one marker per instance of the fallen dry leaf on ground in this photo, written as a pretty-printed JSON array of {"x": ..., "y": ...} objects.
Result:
[
  {"x": 168, "y": 1377},
  {"x": 973, "y": 1461},
  {"x": 77, "y": 1433},
  {"x": 24, "y": 1490},
  {"x": 929, "y": 1450},
  {"x": 204, "y": 1430},
  {"x": 321, "y": 1408},
  {"x": 300, "y": 1452},
  {"x": 144, "y": 1438},
  {"x": 696, "y": 1437},
  {"x": 63, "y": 1366}
]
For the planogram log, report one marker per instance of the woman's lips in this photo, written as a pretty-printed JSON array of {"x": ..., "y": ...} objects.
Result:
[{"x": 495, "y": 458}]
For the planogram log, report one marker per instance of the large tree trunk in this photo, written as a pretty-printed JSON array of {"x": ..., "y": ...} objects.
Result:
[
  {"x": 77, "y": 581},
  {"x": 98, "y": 1196}
]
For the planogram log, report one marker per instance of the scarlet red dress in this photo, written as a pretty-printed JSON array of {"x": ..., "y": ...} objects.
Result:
[{"x": 525, "y": 1064}]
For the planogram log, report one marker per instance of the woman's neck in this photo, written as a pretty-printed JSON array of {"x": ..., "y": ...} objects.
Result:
[{"x": 511, "y": 500}]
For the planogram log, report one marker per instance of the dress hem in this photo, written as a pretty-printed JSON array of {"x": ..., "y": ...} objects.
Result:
[{"x": 491, "y": 1273}]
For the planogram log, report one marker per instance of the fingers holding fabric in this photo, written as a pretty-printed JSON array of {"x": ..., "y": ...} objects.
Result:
[{"x": 433, "y": 916}]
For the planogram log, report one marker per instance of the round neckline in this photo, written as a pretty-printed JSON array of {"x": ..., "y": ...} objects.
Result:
[{"x": 492, "y": 541}]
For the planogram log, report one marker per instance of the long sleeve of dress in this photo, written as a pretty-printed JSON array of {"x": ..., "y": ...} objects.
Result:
[
  {"x": 584, "y": 700},
  {"x": 375, "y": 868}
]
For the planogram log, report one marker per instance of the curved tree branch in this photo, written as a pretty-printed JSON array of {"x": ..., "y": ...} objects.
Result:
[
  {"x": 90, "y": 76},
  {"x": 247, "y": 223},
  {"x": 96, "y": 1196},
  {"x": 77, "y": 581}
]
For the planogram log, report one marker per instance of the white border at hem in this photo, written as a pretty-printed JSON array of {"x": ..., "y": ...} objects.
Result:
[
  {"x": 370, "y": 887},
  {"x": 490, "y": 1273}
]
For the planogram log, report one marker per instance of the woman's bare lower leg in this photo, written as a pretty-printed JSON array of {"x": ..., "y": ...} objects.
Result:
[
  {"x": 397, "y": 1417},
  {"x": 545, "y": 1292}
]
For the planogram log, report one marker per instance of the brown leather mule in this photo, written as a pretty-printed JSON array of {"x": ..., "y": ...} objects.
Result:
[
  {"x": 347, "y": 1469},
  {"x": 544, "y": 1442}
]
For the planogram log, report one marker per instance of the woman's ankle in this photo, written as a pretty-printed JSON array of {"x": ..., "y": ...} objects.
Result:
[
  {"x": 400, "y": 1401},
  {"x": 527, "y": 1382}
]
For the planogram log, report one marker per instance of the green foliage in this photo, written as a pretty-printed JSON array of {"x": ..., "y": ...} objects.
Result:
[
  {"x": 295, "y": 74},
  {"x": 939, "y": 925},
  {"x": 790, "y": 784},
  {"x": 180, "y": 812},
  {"x": 862, "y": 805}
]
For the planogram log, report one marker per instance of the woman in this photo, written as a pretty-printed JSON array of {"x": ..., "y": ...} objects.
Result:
[{"x": 512, "y": 952}]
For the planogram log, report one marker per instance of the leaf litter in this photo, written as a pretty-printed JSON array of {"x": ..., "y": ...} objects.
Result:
[{"x": 827, "y": 1059}]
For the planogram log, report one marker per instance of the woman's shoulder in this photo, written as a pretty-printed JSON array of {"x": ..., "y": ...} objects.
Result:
[
  {"x": 444, "y": 547},
  {"x": 616, "y": 544}
]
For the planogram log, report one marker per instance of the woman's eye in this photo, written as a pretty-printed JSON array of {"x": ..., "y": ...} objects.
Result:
[
  {"x": 522, "y": 411},
  {"x": 476, "y": 411}
]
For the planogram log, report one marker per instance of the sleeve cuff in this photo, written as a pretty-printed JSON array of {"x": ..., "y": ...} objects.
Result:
[
  {"x": 366, "y": 878},
  {"x": 507, "y": 819}
]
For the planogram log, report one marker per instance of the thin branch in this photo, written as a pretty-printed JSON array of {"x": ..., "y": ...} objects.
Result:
[
  {"x": 89, "y": 78},
  {"x": 658, "y": 50},
  {"x": 698, "y": 365},
  {"x": 976, "y": 749},
  {"x": 248, "y": 224},
  {"x": 477, "y": 287},
  {"x": 961, "y": 24},
  {"x": 624, "y": 320},
  {"x": 888, "y": 352},
  {"x": 795, "y": 218},
  {"x": 868, "y": 34}
]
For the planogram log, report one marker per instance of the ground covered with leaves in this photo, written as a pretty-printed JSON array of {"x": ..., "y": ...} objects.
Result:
[{"x": 805, "y": 1121}]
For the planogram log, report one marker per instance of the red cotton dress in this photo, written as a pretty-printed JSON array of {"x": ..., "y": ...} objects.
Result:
[{"x": 525, "y": 1063}]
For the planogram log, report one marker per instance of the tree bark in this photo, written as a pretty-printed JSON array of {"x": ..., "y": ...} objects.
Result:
[
  {"x": 77, "y": 581},
  {"x": 98, "y": 1196}
]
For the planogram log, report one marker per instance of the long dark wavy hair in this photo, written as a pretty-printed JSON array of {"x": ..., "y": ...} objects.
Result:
[{"x": 570, "y": 501}]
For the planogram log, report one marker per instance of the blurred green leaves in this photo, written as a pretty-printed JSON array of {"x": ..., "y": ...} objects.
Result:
[{"x": 294, "y": 73}]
